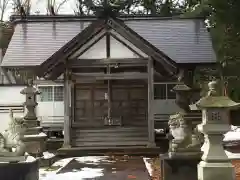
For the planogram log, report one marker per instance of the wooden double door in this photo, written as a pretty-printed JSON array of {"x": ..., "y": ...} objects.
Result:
[{"x": 111, "y": 103}]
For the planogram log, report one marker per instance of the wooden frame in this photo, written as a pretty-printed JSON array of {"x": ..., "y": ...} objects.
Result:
[
  {"x": 151, "y": 132},
  {"x": 67, "y": 111},
  {"x": 127, "y": 62},
  {"x": 115, "y": 76}
]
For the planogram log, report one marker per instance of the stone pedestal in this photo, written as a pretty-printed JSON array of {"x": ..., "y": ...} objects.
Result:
[
  {"x": 19, "y": 171},
  {"x": 35, "y": 144},
  {"x": 33, "y": 137},
  {"x": 179, "y": 168},
  {"x": 211, "y": 171}
]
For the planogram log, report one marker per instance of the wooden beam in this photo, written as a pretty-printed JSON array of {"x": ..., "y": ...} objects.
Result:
[
  {"x": 76, "y": 63},
  {"x": 73, "y": 101},
  {"x": 67, "y": 120},
  {"x": 151, "y": 134},
  {"x": 102, "y": 76},
  {"x": 108, "y": 48}
]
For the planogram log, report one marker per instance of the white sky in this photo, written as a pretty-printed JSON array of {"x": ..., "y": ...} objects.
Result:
[{"x": 40, "y": 6}]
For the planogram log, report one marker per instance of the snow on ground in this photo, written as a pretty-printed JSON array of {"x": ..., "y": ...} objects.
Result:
[
  {"x": 85, "y": 173},
  {"x": 45, "y": 174},
  {"x": 232, "y": 155},
  {"x": 148, "y": 165},
  {"x": 48, "y": 155},
  {"x": 233, "y": 134},
  {"x": 93, "y": 159}
]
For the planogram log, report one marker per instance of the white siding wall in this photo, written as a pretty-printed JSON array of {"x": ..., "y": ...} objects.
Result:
[
  {"x": 9, "y": 95},
  {"x": 50, "y": 111}
]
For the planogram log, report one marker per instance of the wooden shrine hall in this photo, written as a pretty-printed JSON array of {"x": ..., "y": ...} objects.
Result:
[{"x": 116, "y": 70}]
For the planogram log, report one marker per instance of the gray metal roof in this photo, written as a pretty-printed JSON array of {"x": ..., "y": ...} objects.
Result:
[{"x": 183, "y": 40}]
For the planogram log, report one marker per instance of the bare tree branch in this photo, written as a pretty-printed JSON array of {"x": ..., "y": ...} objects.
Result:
[
  {"x": 53, "y": 5},
  {"x": 25, "y": 4},
  {"x": 3, "y": 7},
  {"x": 60, "y": 5}
]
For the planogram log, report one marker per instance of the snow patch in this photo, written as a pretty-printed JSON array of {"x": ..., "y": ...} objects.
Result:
[
  {"x": 233, "y": 134},
  {"x": 45, "y": 174},
  {"x": 232, "y": 155},
  {"x": 83, "y": 173},
  {"x": 95, "y": 160},
  {"x": 159, "y": 131},
  {"x": 148, "y": 165},
  {"x": 48, "y": 155},
  {"x": 36, "y": 135},
  {"x": 30, "y": 159}
]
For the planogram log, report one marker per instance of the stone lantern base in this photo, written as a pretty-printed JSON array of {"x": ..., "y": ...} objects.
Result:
[
  {"x": 179, "y": 168},
  {"x": 210, "y": 171},
  {"x": 35, "y": 144}
]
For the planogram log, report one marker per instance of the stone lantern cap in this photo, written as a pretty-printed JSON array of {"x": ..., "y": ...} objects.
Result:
[
  {"x": 30, "y": 89},
  {"x": 181, "y": 87},
  {"x": 214, "y": 100}
]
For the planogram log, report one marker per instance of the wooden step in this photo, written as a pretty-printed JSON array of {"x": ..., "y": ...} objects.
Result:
[
  {"x": 112, "y": 129},
  {"x": 112, "y": 134},
  {"x": 112, "y": 139},
  {"x": 107, "y": 143}
]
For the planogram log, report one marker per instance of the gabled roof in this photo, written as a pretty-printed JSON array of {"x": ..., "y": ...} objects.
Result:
[
  {"x": 180, "y": 40},
  {"x": 57, "y": 62}
]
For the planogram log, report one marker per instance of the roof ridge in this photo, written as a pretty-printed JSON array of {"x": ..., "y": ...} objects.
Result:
[{"x": 48, "y": 18}]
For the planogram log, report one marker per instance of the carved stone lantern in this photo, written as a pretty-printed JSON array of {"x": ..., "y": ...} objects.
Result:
[
  {"x": 183, "y": 96},
  {"x": 215, "y": 109},
  {"x": 33, "y": 137},
  {"x": 30, "y": 103}
]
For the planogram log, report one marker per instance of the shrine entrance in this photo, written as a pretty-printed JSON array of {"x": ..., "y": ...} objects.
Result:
[
  {"x": 112, "y": 103},
  {"x": 111, "y": 107}
]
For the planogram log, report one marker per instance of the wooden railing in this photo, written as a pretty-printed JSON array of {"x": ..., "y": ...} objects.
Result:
[{"x": 16, "y": 108}]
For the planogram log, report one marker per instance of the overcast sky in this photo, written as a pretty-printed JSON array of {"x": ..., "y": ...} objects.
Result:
[{"x": 40, "y": 6}]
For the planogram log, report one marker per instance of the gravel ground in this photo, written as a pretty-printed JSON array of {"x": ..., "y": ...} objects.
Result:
[
  {"x": 236, "y": 163},
  {"x": 155, "y": 162}
]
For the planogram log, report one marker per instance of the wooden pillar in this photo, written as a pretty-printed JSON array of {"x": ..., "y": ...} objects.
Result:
[
  {"x": 187, "y": 76},
  {"x": 151, "y": 134},
  {"x": 67, "y": 110}
]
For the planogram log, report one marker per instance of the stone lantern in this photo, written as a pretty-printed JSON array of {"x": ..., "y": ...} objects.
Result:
[
  {"x": 215, "y": 109},
  {"x": 33, "y": 137},
  {"x": 183, "y": 96}
]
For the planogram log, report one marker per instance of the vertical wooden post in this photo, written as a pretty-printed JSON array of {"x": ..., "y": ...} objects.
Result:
[
  {"x": 151, "y": 134},
  {"x": 67, "y": 101}
]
